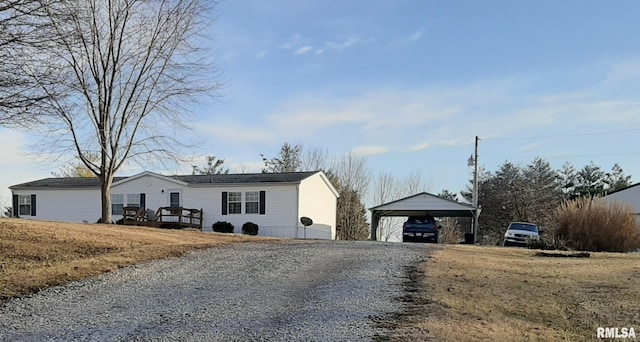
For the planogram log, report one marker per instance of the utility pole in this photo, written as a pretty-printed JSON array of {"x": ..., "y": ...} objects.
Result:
[{"x": 475, "y": 193}]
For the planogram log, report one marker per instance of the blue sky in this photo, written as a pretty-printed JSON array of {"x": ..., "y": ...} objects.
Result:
[{"x": 409, "y": 84}]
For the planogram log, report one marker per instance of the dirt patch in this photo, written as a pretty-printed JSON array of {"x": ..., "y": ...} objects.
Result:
[
  {"x": 414, "y": 300},
  {"x": 562, "y": 255}
]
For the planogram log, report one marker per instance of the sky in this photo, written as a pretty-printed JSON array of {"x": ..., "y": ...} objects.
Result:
[{"x": 410, "y": 84}]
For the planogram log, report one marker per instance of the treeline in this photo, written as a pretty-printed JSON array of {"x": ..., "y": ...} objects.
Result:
[
  {"x": 353, "y": 179},
  {"x": 511, "y": 193},
  {"x": 532, "y": 192}
]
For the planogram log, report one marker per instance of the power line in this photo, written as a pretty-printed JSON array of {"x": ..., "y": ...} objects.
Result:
[
  {"x": 567, "y": 135},
  {"x": 569, "y": 155}
]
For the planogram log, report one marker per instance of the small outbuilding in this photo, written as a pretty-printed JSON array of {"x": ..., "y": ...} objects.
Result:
[{"x": 422, "y": 204}]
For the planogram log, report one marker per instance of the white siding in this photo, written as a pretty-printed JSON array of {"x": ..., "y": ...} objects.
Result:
[
  {"x": 65, "y": 205},
  {"x": 630, "y": 197},
  {"x": 279, "y": 219},
  {"x": 318, "y": 202},
  {"x": 156, "y": 191},
  {"x": 285, "y": 203}
]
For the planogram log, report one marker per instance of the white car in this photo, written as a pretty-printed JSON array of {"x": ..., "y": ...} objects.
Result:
[{"x": 518, "y": 232}]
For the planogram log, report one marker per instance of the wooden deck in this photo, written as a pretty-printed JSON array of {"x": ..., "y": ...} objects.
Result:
[{"x": 164, "y": 217}]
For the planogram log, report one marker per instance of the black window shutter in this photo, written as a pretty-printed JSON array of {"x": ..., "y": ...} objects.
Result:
[
  {"x": 263, "y": 206},
  {"x": 224, "y": 203},
  {"x": 33, "y": 205},
  {"x": 16, "y": 206},
  {"x": 143, "y": 201}
]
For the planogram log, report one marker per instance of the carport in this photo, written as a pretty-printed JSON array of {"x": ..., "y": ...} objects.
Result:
[{"x": 422, "y": 204}]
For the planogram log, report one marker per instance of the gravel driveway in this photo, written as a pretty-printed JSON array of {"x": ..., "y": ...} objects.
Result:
[{"x": 296, "y": 290}]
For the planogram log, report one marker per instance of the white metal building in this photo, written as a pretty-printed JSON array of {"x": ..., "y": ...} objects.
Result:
[
  {"x": 274, "y": 201},
  {"x": 629, "y": 196}
]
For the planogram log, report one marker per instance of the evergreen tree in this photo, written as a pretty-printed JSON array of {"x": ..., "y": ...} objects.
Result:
[
  {"x": 567, "y": 179},
  {"x": 617, "y": 180},
  {"x": 591, "y": 181},
  {"x": 213, "y": 167},
  {"x": 288, "y": 160}
]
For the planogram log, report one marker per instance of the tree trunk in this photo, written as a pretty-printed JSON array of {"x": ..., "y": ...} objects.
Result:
[{"x": 105, "y": 198}]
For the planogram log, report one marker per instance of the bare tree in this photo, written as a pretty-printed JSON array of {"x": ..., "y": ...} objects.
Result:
[
  {"x": 131, "y": 68},
  {"x": 385, "y": 189},
  {"x": 351, "y": 177},
  {"x": 77, "y": 168},
  {"x": 21, "y": 24},
  {"x": 314, "y": 159},
  {"x": 413, "y": 183},
  {"x": 242, "y": 168}
]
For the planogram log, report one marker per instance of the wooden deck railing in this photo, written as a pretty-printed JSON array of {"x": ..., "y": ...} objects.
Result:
[{"x": 170, "y": 217}]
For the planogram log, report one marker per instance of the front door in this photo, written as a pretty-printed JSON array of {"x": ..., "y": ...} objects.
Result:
[{"x": 174, "y": 199}]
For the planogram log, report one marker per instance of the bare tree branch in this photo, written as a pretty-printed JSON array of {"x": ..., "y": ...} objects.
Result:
[{"x": 131, "y": 68}]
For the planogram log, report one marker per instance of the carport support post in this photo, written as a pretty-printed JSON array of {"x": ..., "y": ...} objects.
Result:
[{"x": 375, "y": 217}]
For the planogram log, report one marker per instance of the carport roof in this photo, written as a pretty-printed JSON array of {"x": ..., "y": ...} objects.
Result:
[{"x": 423, "y": 204}]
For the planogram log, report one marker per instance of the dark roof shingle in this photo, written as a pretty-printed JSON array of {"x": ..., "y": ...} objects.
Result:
[{"x": 246, "y": 178}]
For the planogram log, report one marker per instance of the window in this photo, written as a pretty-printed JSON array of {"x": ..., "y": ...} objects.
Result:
[
  {"x": 24, "y": 202},
  {"x": 174, "y": 199},
  {"x": 235, "y": 203},
  {"x": 117, "y": 203},
  {"x": 133, "y": 200},
  {"x": 251, "y": 200}
]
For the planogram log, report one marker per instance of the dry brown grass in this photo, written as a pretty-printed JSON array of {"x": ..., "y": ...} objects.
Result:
[
  {"x": 35, "y": 254},
  {"x": 596, "y": 225},
  {"x": 470, "y": 293}
]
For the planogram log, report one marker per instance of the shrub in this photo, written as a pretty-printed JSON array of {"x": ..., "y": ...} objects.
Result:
[
  {"x": 449, "y": 231},
  {"x": 250, "y": 228},
  {"x": 547, "y": 244},
  {"x": 222, "y": 227},
  {"x": 596, "y": 225}
]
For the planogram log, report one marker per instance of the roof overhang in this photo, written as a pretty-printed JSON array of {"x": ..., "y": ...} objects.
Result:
[
  {"x": 425, "y": 204},
  {"x": 426, "y": 212},
  {"x": 150, "y": 174}
]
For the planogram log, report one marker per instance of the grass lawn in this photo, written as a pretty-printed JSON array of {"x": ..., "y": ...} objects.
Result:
[
  {"x": 471, "y": 293},
  {"x": 459, "y": 293},
  {"x": 36, "y": 254}
]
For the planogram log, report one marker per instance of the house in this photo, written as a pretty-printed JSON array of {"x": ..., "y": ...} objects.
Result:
[
  {"x": 629, "y": 196},
  {"x": 274, "y": 201}
]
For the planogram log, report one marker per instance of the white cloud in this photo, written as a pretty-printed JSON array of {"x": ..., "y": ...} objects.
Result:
[
  {"x": 536, "y": 144},
  {"x": 303, "y": 49},
  {"x": 623, "y": 71},
  {"x": 415, "y": 36},
  {"x": 370, "y": 150},
  {"x": 244, "y": 167},
  {"x": 15, "y": 165},
  {"x": 342, "y": 45},
  {"x": 306, "y": 118},
  {"x": 261, "y": 54},
  {"x": 229, "y": 56},
  {"x": 420, "y": 147},
  {"x": 234, "y": 134},
  {"x": 416, "y": 119}
]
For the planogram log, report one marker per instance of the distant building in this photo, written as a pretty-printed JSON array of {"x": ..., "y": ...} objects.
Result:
[{"x": 629, "y": 196}]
